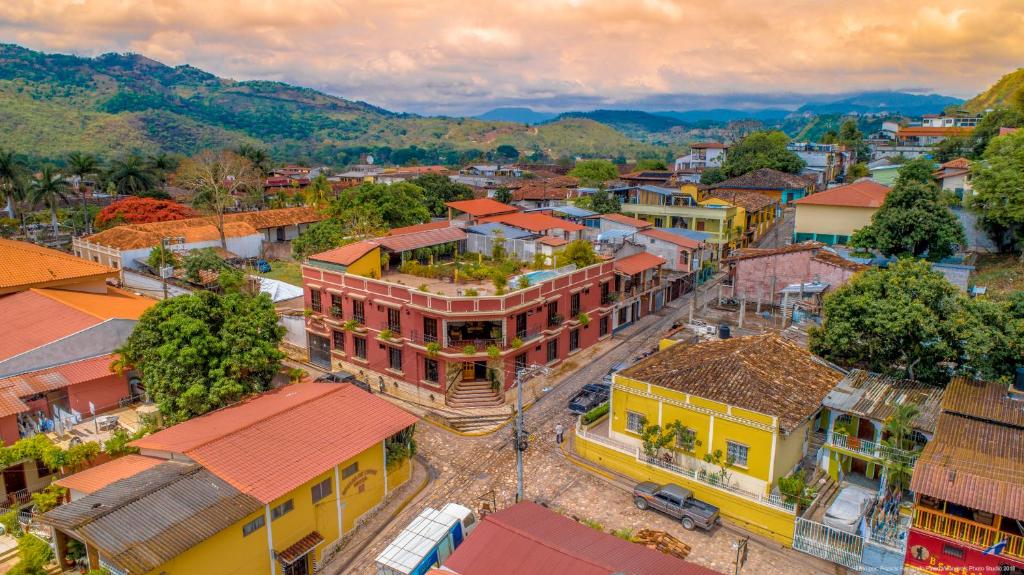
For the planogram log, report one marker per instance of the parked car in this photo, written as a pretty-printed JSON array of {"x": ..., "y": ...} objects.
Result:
[
  {"x": 676, "y": 502},
  {"x": 849, "y": 507},
  {"x": 342, "y": 377},
  {"x": 587, "y": 398}
]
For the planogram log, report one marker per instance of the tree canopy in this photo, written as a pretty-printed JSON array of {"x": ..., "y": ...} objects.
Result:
[
  {"x": 438, "y": 189},
  {"x": 650, "y": 164},
  {"x": 395, "y": 205},
  {"x": 999, "y": 189},
  {"x": 908, "y": 321},
  {"x": 601, "y": 201},
  {"x": 913, "y": 220},
  {"x": 200, "y": 352},
  {"x": 217, "y": 179},
  {"x": 760, "y": 150},
  {"x": 134, "y": 210},
  {"x": 594, "y": 173},
  {"x": 579, "y": 252}
]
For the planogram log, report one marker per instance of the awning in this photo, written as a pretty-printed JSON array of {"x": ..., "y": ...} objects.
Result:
[{"x": 300, "y": 548}]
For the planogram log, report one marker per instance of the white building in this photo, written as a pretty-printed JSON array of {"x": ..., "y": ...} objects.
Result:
[{"x": 703, "y": 155}]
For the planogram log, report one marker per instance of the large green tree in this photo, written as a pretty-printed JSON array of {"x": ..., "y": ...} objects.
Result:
[
  {"x": 908, "y": 321},
  {"x": 396, "y": 205},
  {"x": 760, "y": 150},
  {"x": 217, "y": 181},
  {"x": 49, "y": 189},
  {"x": 999, "y": 189},
  {"x": 913, "y": 220},
  {"x": 200, "y": 352},
  {"x": 594, "y": 173},
  {"x": 132, "y": 176},
  {"x": 990, "y": 124},
  {"x": 601, "y": 201},
  {"x": 438, "y": 189},
  {"x": 851, "y": 137}
]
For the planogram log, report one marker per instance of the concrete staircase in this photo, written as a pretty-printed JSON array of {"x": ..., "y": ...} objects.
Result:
[
  {"x": 475, "y": 423},
  {"x": 470, "y": 394}
]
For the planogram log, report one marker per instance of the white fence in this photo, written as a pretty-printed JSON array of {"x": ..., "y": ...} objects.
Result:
[
  {"x": 828, "y": 543},
  {"x": 480, "y": 244}
]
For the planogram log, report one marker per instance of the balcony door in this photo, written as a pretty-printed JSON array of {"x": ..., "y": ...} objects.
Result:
[{"x": 319, "y": 351}]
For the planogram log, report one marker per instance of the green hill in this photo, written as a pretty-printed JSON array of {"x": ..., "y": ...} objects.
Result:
[
  {"x": 51, "y": 104},
  {"x": 999, "y": 94}
]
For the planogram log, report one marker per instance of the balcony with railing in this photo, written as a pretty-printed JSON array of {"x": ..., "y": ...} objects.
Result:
[
  {"x": 871, "y": 449},
  {"x": 966, "y": 531}
]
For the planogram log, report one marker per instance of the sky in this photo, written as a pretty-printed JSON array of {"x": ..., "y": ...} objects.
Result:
[{"x": 452, "y": 57}]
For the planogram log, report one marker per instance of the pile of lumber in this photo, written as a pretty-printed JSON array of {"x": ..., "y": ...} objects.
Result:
[{"x": 663, "y": 542}]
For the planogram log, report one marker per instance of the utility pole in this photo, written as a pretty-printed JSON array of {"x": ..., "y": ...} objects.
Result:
[
  {"x": 741, "y": 553},
  {"x": 521, "y": 443}
]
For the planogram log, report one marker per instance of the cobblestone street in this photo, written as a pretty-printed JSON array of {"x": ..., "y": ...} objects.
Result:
[{"x": 474, "y": 470}]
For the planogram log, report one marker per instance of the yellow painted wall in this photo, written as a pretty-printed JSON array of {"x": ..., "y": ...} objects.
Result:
[
  {"x": 832, "y": 220},
  {"x": 761, "y": 519},
  {"x": 367, "y": 266},
  {"x": 229, "y": 552},
  {"x": 789, "y": 450},
  {"x": 758, "y": 442}
]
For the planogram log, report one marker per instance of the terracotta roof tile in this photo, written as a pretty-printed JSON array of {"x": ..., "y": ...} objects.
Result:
[
  {"x": 300, "y": 547},
  {"x": 24, "y": 265},
  {"x": 985, "y": 400},
  {"x": 762, "y": 373},
  {"x": 626, "y": 220},
  {"x": 834, "y": 259},
  {"x": 637, "y": 263},
  {"x": 859, "y": 194},
  {"x": 58, "y": 377},
  {"x": 264, "y": 219},
  {"x": 481, "y": 207},
  {"x": 535, "y": 222},
  {"x": 346, "y": 255},
  {"x": 32, "y": 319},
  {"x": 765, "y": 179},
  {"x": 958, "y": 163},
  {"x": 268, "y": 445},
  {"x": 552, "y": 241},
  {"x": 749, "y": 201},
  {"x": 100, "y": 476},
  {"x": 138, "y": 236},
  {"x": 748, "y": 253},
  {"x": 933, "y": 131}
]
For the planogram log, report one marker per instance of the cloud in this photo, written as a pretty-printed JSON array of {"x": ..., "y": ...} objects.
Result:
[{"x": 446, "y": 56}]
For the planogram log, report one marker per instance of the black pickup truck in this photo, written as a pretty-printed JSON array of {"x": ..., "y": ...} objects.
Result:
[
  {"x": 587, "y": 398},
  {"x": 676, "y": 502}
]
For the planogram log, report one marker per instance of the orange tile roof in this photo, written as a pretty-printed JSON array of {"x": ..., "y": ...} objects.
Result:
[
  {"x": 637, "y": 263},
  {"x": 406, "y": 242},
  {"x": 958, "y": 163},
  {"x": 679, "y": 240},
  {"x": 100, "y": 476},
  {"x": 859, "y": 194},
  {"x": 535, "y": 222},
  {"x": 115, "y": 303},
  {"x": 269, "y": 445},
  {"x": 481, "y": 207},
  {"x": 933, "y": 131},
  {"x": 24, "y": 265},
  {"x": 58, "y": 377},
  {"x": 31, "y": 319},
  {"x": 264, "y": 219},
  {"x": 626, "y": 220},
  {"x": 419, "y": 228},
  {"x": 138, "y": 236},
  {"x": 346, "y": 255},
  {"x": 552, "y": 241}
]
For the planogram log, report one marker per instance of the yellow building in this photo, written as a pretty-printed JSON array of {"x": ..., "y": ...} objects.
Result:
[
  {"x": 832, "y": 216},
  {"x": 683, "y": 208},
  {"x": 755, "y": 213},
  {"x": 736, "y": 415},
  {"x": 271, "y": 485}
]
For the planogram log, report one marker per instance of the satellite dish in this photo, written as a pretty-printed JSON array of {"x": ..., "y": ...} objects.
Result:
[{"x": 369, "y": 160}]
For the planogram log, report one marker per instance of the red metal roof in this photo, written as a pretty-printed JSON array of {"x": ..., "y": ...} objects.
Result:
[
  {"x": 535, "y": 222},
  {"x": 31, "y": 319},
  {"x": 58, "y": 377},
  {"x": 626, "y": 220},
  {"x": 637, "y": 263},
  {"x": 681, "y": 241},
  {"x": 345, "y": 255},
  {"x": 269, "y": 445},
  {"x": 860, "y": 194},
  {"x": 422, "y": 239},
  {"x": 527, "y": 538},
  {"x": 100, "y": 476},
  {"x": 419, "y": 228},
  {"x": 481, "y": 207}
]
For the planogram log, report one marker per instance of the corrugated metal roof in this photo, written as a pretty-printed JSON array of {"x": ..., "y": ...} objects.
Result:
[
  {"x": 481, "y": 207},
  {"x": 416, "y": 240},
  {"x": 573, "y": 211},
  {"x": 145, "y": 520},
  {"x": 527, "y": 538},
  {"x": 637, "y": 263},
  {"x": 762, "y": 373},
  {"x": 58, "y": 377},
  {"x": 876, "y": 396},
  {"x": 345, "y": 255},
  {"x": 491, "y": 228},
  {"x": 974, "y": 463},
  {"x": 536, "y": 222}
]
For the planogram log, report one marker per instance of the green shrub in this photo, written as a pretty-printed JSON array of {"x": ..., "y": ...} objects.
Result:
[
  {"x": 584, "y": 319},
  {"x": 386, "y": 333},
  {"x": 469, "y": 349},
  {"x": 49, "y": 498},
  {"x": 433, "y": 349},
  {"x": 517, "y": 343},
  {"x": 10, "y": 522},
  {"x": 35, "y": 554},
  {"x": 493, "y": 351},
  {"x": 594, "y": 414}
]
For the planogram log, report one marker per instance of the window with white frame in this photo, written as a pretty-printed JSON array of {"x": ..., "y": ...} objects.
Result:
[
  {"x": 737, "y": 453},
  {"x": 635, "y": 422}
]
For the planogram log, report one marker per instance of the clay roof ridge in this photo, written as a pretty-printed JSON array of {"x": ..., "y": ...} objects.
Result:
[{"x": 531, "y": 537}]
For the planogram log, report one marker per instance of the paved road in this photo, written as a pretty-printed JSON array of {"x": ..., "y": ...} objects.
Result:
[
  {"x": 782, "y": 233},
  {"x": 476, "y": 469}
]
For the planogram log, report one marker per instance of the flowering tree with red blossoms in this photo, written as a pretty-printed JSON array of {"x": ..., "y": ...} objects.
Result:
[{"x": 135, "y": 210}]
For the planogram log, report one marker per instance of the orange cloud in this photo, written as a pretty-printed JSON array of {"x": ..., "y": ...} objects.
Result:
[{"x": 450, "y": 56}]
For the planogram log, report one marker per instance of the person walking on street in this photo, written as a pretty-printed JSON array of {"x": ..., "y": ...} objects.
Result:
[{"x": 559, "y": 433}]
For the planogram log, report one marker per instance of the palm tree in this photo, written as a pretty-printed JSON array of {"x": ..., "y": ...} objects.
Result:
[
  {"x": 49, "y": 189},
  {"x": 83, "y": 165},
  {"x": 162, "y": 164},
  {"x": 11, "y": 184},
  {"x": 131, "y": 176},
  {"x": 318, "y": 191},
  {"x": 899, "y": 432},
  {"x": 258, "y": 156}
]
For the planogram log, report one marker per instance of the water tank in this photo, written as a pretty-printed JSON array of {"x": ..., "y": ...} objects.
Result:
[
  {"x": 723, "y": 332},
  {"x": 1018, "y": 381}
]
